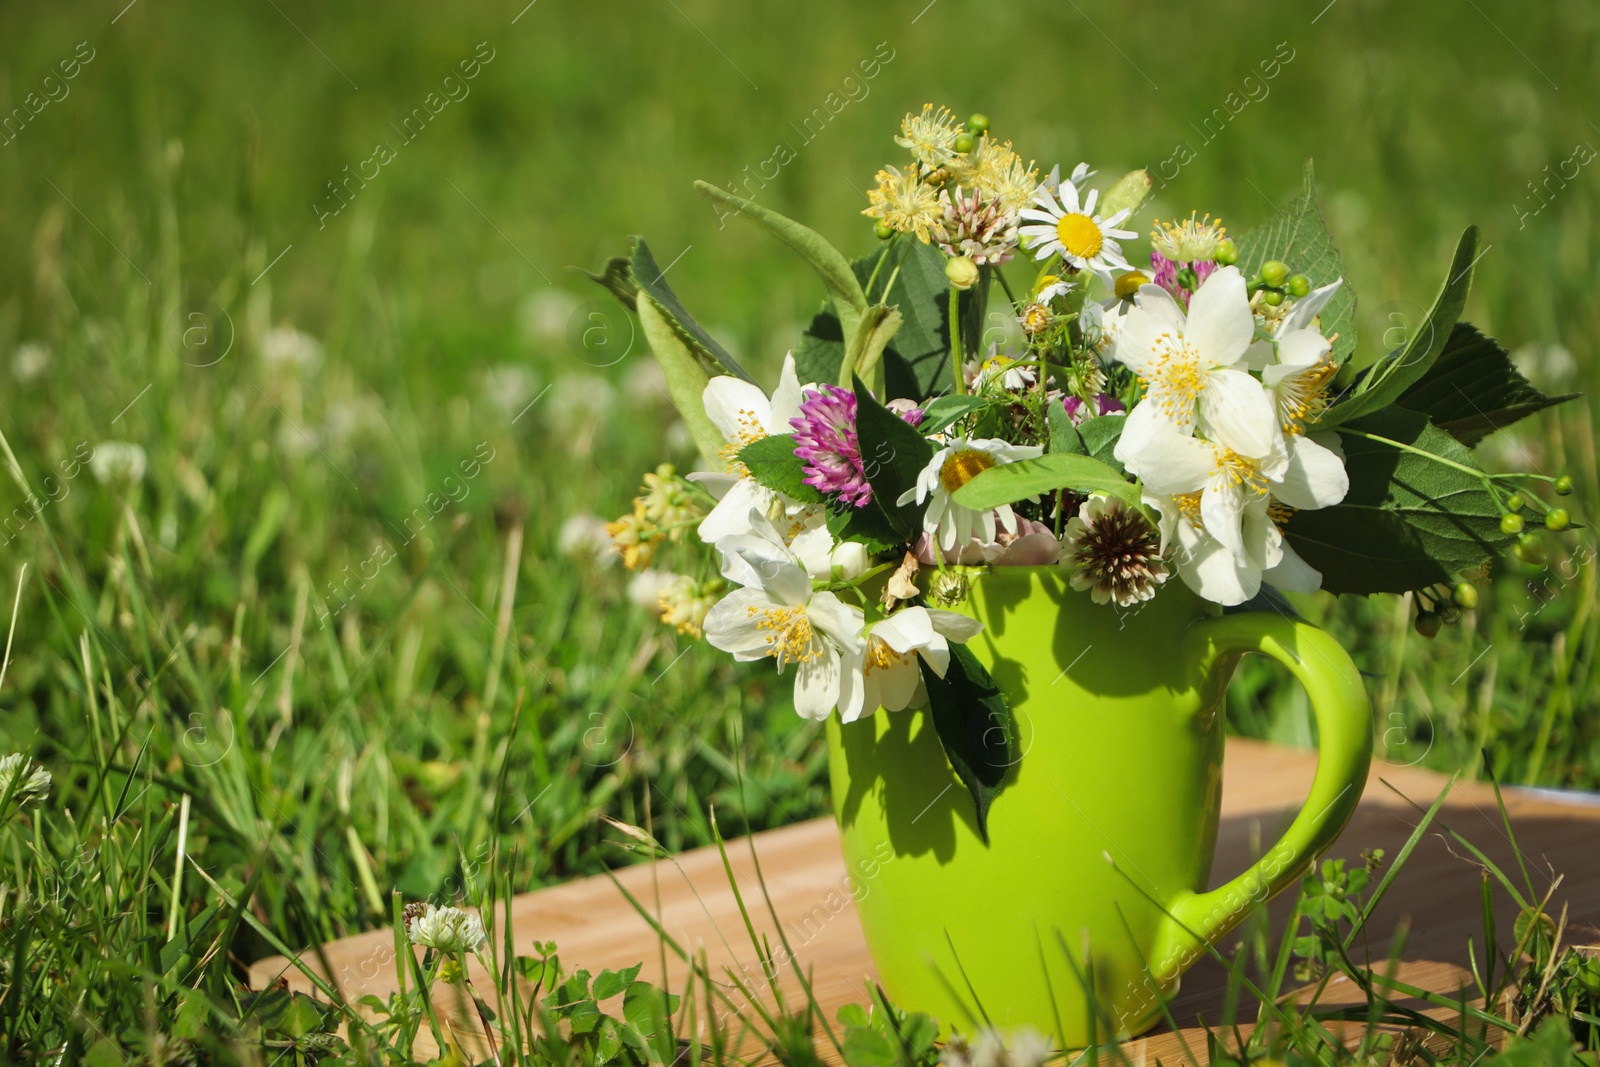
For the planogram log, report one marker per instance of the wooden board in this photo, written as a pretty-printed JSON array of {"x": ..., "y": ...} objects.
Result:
[{"x": 1435, "y": 899}]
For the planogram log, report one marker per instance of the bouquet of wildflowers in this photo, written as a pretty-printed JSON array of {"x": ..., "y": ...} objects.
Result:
[{"x": 1007, "y": 381}]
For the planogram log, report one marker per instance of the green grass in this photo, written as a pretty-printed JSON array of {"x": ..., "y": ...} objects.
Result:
[{"x": 178, "y": 637}]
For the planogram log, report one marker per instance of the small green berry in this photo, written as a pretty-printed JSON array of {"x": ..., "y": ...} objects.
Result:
[
  {"x": 1298, "y": 285},
  {"x": 1557, "y": 519},
  {"x": 1427, "y": 624},
  {"x": 1465, "y": 595},
  {"x": 1528, "y": 550},
  {"x": 978, "y": 123},
  {"x": 1227, "y": 253},
  {"x": 883, "y": 230},
  {"x": 964, "y": 142},
  {"x": 1275, "y": 272},
  {"x": 1511, "y": 523},
  {"x": 1564, "y": 485},
  {"x": 1515, "y": 502},
  {"x": 1273, "y": 297}
]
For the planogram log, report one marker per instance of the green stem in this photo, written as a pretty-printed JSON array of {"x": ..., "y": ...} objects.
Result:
[
  {"x": 1015, "y": 305},
  {"x": 1482, "y": 476},
  {"x": 876, "y": 267},
  {"x": 957, "y": 360}
]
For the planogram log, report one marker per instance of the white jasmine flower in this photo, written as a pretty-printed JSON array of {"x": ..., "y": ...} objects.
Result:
[
  {"x": 1218, "y": 505},
  {"x": 953, "y": 466},
  {"x": 1187, "y": 365},
  {"x": 1065, "y": 226},
  {"x": 118, "y": 462},
  {"x": 743, "y": 413},
  {"x": 23, "y": 781},
  {"x": 776, "y": 613},
  {"x": 444, "y": 929},
  {"x": 1297, "y": 383},
  {"x": 891, "y": 678}
]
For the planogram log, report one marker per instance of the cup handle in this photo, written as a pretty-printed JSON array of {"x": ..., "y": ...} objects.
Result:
[{"x": 1344, "y": 724}]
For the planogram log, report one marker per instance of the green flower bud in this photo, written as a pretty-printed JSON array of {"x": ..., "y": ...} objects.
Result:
[
  {"x": 1515, "y": 502},
  {"x": 962, "y": 272},
  {"x": 1273, "y": 297},
  {"x": 1557, "y": 519},
  {"x": 1427, "y": 624},
  {"x": 1275, "y": 272},
  {"x": 978, "y": 123},
  {"x": 1227, "y": 253},
  {"x": 1564, "y": 485},
  {"x": 1465, "y": 595},
  {"x": 964, "y": 142},
  {"x": 883, "y": 230},
  {"x": 1131, "y": 191},
  {"x": 1528, "y": 549},
  {"x": 1511, "y": 523},
  {"x": 1298, "y": 285}
]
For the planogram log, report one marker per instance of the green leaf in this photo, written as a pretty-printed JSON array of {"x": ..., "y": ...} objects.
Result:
[
  {"x": 647, "y": 1007},
  {"x": 947, "y": 409},
  {"x": 610, "y": 983},
  {"x": 772, "y": 462},
  {"x": 617, "y": 277},
  {"x": 650, "y": 281},
  {"x": 608, "y": 1041},
  {"x": 868, "y": 525},
  {"x": 864, "y": 356},
  {"x": 866, "y": 1047},
  {"x": 817, "y": 357},
  {"x": 1408, "y": 521},
  {"x": 1298, "y": 236},
  {"x": 893, "y": 453},
  {"x": 917, "y": 362},
  {"x": 1383, "y": 383},
  {"x": 1028, "y": 478},
  {"x": 1131, "y": 191},
  {"x": 849, "y": 301},
  {"x": 1064, "y": 436},
  {"x": 1473, "y": 388},
  {"x": 1100, "y": 436},
  {"x": 686, "y": 377},
  {"x": 975, "y": 726}
]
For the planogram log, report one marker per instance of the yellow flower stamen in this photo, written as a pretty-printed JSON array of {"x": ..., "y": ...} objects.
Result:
[
  {"x": 750, "y": 430},
  {"x": 1239, "y": 470},
  {"x": 1304, "y": 396},
  {"x": 880, "y": 657},
  {"x": 961, "y": 467},
  {"x": 1174, "y": 379},
  {"x": 1189, "y": 507},
  {"x": 790, "y": 638},
  {"x": 1080, "y": 235}
]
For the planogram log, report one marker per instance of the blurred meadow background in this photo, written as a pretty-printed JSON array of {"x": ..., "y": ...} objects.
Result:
[{"x": 309, "y": 617}]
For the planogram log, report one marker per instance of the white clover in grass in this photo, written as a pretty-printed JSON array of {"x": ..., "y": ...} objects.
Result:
[
  {"x": 118, "y": 463},
  {"x": 1062, "y": 224},
  {"x": 890, "y": 676},
  {"x": 30, "y": 361},
  {"x": 1025, "y": 1047},
  {"x": 776, "y": 613},
  {"x": 1188, "y": 364},
  {"x": 583, "y": 537},
  {"x": 23, "y": 781},
  {"x": 286, "y": 348},
  {"x": 743, "y": 414},
  {"x": 957, "y": 463},
  {"x": 444, "y": 929}
]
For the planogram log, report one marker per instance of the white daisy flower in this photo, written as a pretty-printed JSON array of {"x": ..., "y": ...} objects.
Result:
[
  {"x": 953, "y": 466},
  {"x": 775, "y": 613},
  {"x": 1187, "y": 364},
  {"x": 743, "y": 413},
  {"x": 1066, "y": 226}
]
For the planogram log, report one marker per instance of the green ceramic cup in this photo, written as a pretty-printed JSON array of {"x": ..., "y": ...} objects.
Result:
[{"x": 1100, "y": 842}]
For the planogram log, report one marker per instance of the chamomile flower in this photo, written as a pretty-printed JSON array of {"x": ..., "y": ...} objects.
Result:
[
  {"x": 957, "y": 463},
  {"x": 904, "y": 202},
  {"x": 931, "y": 136},
  {"x": 1065, "y": 225}
]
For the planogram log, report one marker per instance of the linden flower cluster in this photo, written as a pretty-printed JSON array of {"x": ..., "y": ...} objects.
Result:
[{"x": 962, "y": 189}]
